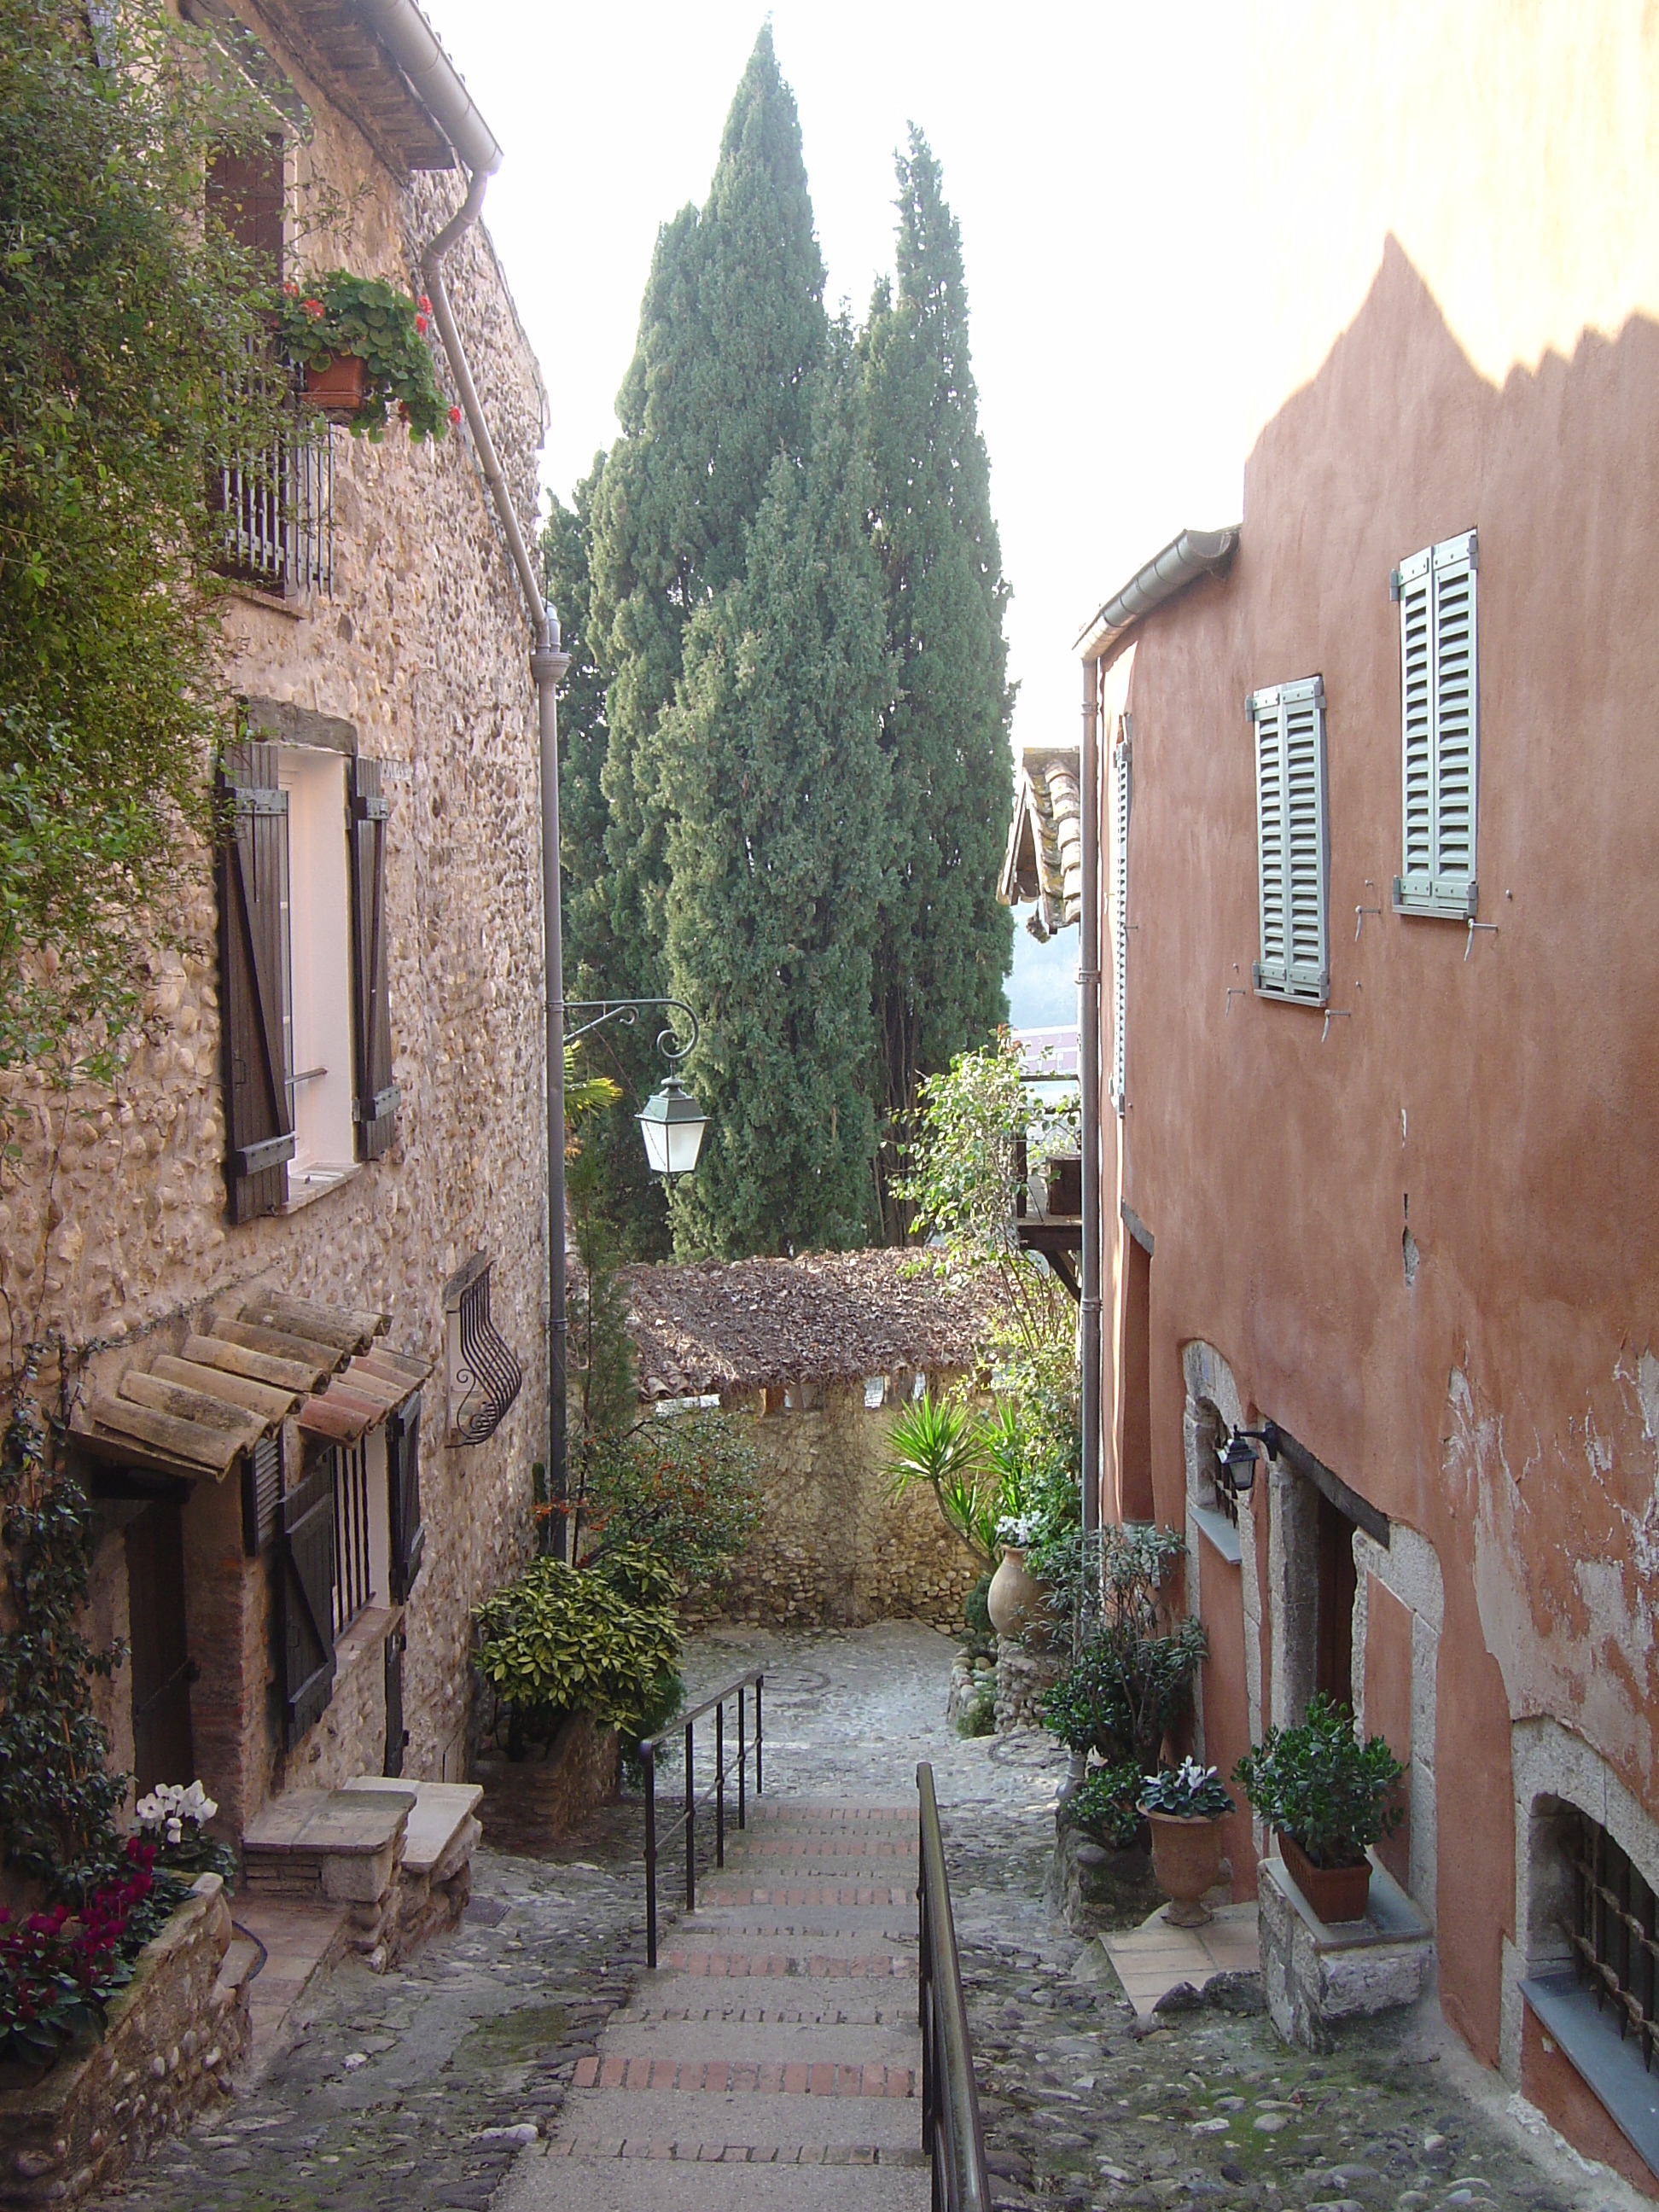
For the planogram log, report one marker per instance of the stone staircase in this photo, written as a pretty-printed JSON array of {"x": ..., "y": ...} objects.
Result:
[{"x": 813, "y": 2062}]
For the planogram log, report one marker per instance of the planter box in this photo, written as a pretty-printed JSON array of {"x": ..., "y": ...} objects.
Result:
[
  {"x": 1336, "y": 1893},
  {"x": 173, "y": 2036},
  {"x": 338, "y": 390},
  {"x": 1315, "y": 1975}
]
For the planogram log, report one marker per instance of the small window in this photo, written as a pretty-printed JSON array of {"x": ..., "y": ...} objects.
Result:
[
  {"x": 1613, "y": 1936},
  {"x": 360, "y": 1535},
  {"x": 1292, "y": 841},
  {"x": 317, "y": 1018},
  {"x": 1440, "y": 719}
]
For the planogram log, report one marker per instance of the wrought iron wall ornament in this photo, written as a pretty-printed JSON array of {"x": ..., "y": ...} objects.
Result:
[
  {"x": 626, "y": 1012},
  {"x": 485, "y": 1375}
]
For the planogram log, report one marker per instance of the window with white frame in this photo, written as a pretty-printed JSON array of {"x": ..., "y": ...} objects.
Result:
[
  {"x": 1440, "y": 728},
  {"x": 1292, "y": 837},
  {"x": 1120, "y": 912}
]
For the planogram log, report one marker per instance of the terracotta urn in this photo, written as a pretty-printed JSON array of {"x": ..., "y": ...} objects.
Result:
[
  {"x": 1335, "y": 1893},
  {"x": 338, "y": 389},
  {"x": 1187, "y": 1861},
  {"x": 1014, "y": 1599}
]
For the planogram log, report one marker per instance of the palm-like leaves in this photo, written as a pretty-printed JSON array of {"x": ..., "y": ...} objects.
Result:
[{"x": 943, "y": 1444}]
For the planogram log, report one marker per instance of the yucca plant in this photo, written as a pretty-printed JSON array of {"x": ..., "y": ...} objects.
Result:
[{"x": 942, "y": 1444}]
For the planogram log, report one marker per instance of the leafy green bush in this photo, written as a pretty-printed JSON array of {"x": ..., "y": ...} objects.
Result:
[
  {"x": 1319, "y": 1783},
  {"x": 337, "y": 314},
  {"x": 1107, "y": 1806},
  {"x": 685, "y": 1489},
  {"x": 639, "y": 1574},
  {"x": 981, "y": 1717},
  {"x": 976, "y": 1616},
  {"x": 560, "y": 1640},
  {"x": 1133, "y": 1680}
]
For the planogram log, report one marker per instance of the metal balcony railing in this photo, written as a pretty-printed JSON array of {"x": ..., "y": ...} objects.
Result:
[{"x": 278, "y": 503}]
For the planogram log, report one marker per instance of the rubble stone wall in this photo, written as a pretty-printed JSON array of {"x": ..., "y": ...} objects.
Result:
[
  {"x": 113, "y": 1228},
  {"x": 834, "y": 1548}
]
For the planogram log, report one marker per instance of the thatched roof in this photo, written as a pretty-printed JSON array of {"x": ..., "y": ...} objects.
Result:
[{"x": 828, "y": 1316}]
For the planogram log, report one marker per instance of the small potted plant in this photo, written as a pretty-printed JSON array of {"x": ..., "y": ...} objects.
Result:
[
  {"x": 364, "y": 350},
  {"x": 1329, "y": 1797},
  {"x": 1185, "y": 1806}
]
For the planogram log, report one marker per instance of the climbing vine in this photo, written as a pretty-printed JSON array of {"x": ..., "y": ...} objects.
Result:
[{"x": 59, "y": 1796}]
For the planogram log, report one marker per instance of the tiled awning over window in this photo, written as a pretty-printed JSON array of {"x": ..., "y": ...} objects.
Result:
[{"x": 255, "y": 1363}]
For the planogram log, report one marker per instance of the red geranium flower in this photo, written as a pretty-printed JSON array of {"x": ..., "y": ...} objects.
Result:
[
  {"x": 420, "y": 323},
  {"x": 315, "y": 309},
  {"x": 426, "y": 304},
  {"x": 455, "y": 414}
]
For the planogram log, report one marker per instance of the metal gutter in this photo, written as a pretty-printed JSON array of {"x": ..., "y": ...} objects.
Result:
[
  {"x": 1194, "y": 554},
  {"x": 406, "y": 36}
]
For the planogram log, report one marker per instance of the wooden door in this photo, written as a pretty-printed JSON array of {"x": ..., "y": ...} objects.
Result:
[{"x": 162, "y": 1668}]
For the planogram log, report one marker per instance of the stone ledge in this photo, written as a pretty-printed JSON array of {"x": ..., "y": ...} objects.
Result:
[{"x": 1315, "y": 1975}]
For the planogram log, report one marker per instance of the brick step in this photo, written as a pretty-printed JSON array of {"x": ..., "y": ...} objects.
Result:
[
  {"x": 762, "y": 2077},
  {"x": 688, "y": 2151},
  {"x": 733, "y": 1966},
  {"x": 760, "y": 2008},
  {"x": 830, "y": 1813},
  {"x": 806, "y": 1847},
  {"x": 805, "y": 1894}
]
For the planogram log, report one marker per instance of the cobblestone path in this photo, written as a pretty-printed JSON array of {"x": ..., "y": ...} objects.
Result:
[{"x": 445, "y": 2086}]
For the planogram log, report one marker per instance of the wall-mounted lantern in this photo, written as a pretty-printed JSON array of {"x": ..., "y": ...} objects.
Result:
[
  {"x": 1237, "y": 1455},
  {"x": 672, "y": 1126}
]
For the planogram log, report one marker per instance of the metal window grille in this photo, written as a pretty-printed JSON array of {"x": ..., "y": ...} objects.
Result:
[
  {"x": 1613, "y": 1939},
  {"x": 277, "y": 504},
  {"x": 353, "y": 1585},
  {"x": 1226, "y": 1502},
  {"x": 484, "y": 1377}
]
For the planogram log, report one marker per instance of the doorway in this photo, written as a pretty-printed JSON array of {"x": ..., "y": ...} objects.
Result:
[
  {"x": 163, "y": 1671},
  {"x": 1333, "y": 1614}
]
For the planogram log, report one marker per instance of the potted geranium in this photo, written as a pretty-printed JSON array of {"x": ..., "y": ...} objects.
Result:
[
  {"x": 1329, "y": 1797},
  {"x": 364, "y": 348},
  {"x": 1184, "y": 1807}
]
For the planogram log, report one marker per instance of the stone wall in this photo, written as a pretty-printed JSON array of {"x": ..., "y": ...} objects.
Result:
[
  {"x": 113, "y": 1228},
  {"x": 834, "y": 1548},
  {"x": 173, "y": 2036}
]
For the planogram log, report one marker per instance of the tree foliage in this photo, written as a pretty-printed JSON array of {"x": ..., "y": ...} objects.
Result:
[
  {"x": 944, "y": 945},
  {"x": 124, "y": 321},
  {"x": 775, "y": 787}
]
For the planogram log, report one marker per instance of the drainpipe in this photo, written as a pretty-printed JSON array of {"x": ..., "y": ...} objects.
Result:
[
  {"x": 406, "y": 36},
  {"x": 1089, "y": 1069}
]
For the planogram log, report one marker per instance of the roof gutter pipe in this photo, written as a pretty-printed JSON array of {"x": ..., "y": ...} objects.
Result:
[
  {"x": 1089, "y": 1070},
  {"x": 405, "y": 36},
  {"x": 1194, "y": 554}
]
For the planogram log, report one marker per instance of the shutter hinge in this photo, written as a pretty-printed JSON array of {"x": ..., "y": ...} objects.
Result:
[
  {"x": 253, "y": 1160},
  {"x": 258, "y": 798},
  {"x": 372, "y": 808},
  {"x": 1393, "y": 583},
  {"x": 383, "y": 1102},
  {"x": 1474, "y": 549},
  {"x": 1255, "y": 974}
]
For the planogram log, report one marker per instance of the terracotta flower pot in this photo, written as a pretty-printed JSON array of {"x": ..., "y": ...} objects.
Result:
[
  {"x": 1187, "y": 1860},
  {"x": 338, "y": 390},
  {"x": 1015, "y": 1597},
  {"x": 1336, "y": 1893}
]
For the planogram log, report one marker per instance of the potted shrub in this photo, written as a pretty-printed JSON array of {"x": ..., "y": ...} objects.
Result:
[
  {"x": 1328, "y": 1798},
  {"x": 364, "y": 350},
  {"x": 1133, "y": 1680},
  {"x": 1184, "y": 1807}
]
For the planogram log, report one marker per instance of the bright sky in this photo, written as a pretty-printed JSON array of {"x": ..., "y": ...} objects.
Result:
[{"x": 1086, "y": 153}]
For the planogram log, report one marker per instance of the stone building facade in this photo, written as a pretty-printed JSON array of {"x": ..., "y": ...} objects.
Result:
[
  {"x": 390, "y": 720},
  {"x": 820, "y": 1354}
]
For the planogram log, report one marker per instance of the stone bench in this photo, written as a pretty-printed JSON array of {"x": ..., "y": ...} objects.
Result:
[
  {"x": 338, "y": 1847},
  {"x": 435, "y": 1877}
]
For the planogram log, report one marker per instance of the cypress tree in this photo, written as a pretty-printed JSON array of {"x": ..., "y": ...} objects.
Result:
[
  {"x": 775, "y": 787},
  {"x": 594, "y": 966},
  {"x": 944, "y": 945},
  {"x": 731, "y": 326}
]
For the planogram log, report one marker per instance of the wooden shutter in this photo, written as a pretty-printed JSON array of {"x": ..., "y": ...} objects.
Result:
[
  {"x": 1120, "y": 916},
  {"x": 397, "y": 1736},
  {"x": 376, "y": 1100},
  {"x": 305, "y": 1625},
  {"x": 262, "y": 1493},
  {"x": 1292, "y": 841},
  {"x": 403, "y": 1466},
  {"x": 1439, "y": 691},
  {"x": 254, "y": 970}
]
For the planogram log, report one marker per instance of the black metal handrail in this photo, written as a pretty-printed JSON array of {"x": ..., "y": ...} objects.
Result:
[
  {"x": 716, "y": 1789},
  {"x": 950, "y": 2130}
]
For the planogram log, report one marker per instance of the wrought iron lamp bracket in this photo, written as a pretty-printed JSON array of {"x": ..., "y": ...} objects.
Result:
[{"x": 627, "y": 1012}]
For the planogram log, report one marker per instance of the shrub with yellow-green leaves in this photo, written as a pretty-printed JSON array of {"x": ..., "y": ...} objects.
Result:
[{"x": 562, "y": 1640}]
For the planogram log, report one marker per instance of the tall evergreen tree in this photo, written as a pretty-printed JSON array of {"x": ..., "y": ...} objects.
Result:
[
  {"x": 944, "y": 945},
  {"x": 594, "y": 963},
  {"x": 774, "y": 789},
  {"x": 731, "y": 326}
]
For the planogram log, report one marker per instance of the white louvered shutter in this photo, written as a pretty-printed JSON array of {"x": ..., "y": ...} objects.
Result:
[
  {"x": 1292, "y": 841},
  {"x": 1120, "y": 919},
  {"x": 1439, "y": 670}
]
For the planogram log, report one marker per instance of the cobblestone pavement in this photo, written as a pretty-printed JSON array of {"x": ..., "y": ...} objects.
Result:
[{"x": 422, "y": 2088}]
